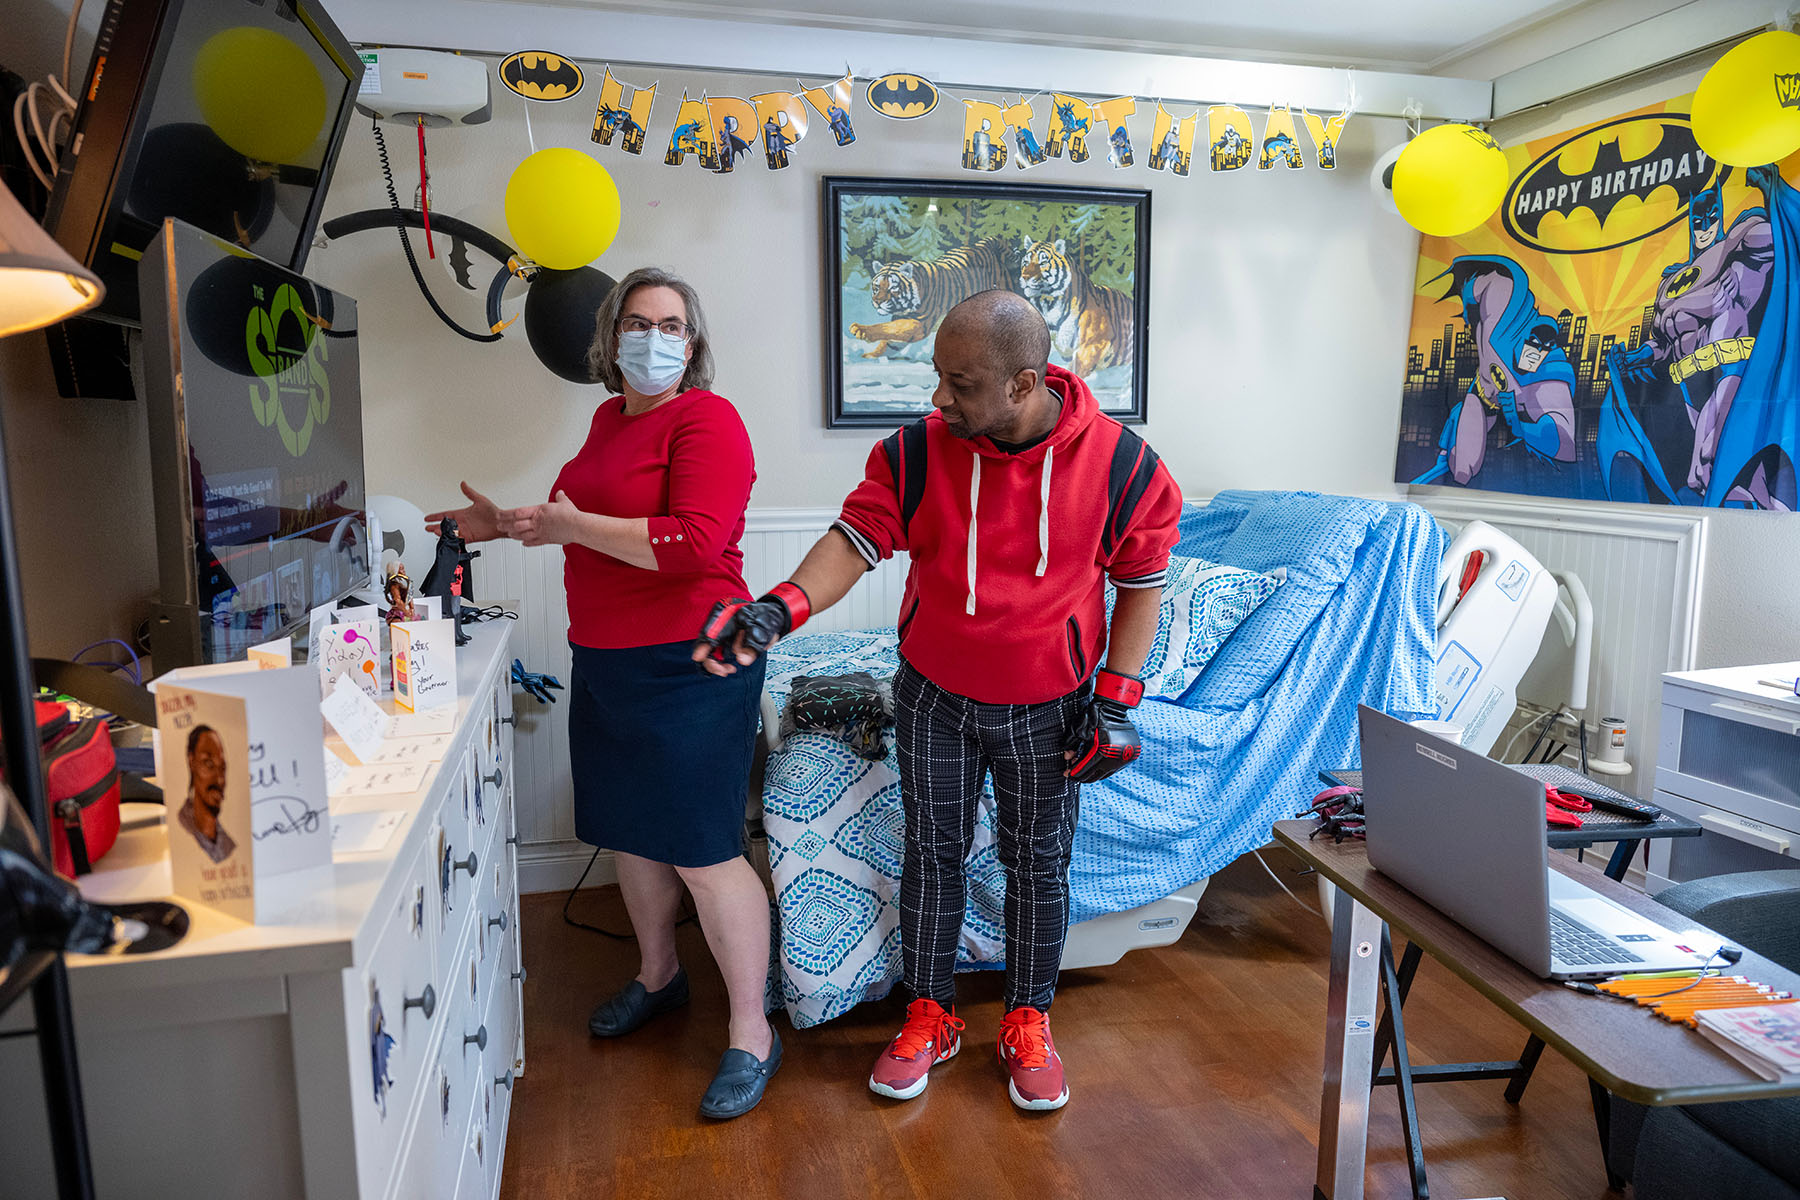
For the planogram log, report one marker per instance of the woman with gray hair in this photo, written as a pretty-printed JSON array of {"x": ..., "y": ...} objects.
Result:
[{"x": 649, "y": 513}]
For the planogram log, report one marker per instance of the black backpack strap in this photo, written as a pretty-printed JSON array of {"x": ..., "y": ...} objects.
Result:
[
  {"x": 905, "y": 452},
  {"x": 103, "y": 689}
]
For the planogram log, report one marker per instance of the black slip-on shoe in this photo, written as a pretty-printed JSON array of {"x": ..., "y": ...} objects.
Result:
[
  {"x": 633, "y": 1005},
  {"x": 737, "y": 1086}
]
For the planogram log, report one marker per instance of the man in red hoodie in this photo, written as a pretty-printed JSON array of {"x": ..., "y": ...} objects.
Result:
[{"x": 1016, "y": 499}]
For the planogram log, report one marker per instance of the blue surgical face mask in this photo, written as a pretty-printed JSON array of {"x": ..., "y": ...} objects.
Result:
[{"x": 652, "y": 361}]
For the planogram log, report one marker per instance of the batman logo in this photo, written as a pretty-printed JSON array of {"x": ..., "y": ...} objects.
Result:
[
  {"x": 1683, "y": 282},
  {"x": 1563, "y": 181},
  {"x": 540, "y": 75},
  {"x": 902, "y": 96}
]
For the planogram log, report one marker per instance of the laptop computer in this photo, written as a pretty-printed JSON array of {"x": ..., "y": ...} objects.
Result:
[{"x": 1467, "y": 834}]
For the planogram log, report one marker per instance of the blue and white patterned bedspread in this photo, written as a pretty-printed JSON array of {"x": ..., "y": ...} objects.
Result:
[{"x": 1352, "y": 625}]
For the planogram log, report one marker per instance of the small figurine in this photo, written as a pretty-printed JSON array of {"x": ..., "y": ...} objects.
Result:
[
  {"x": 399, "y": 596},
  {"x": 448, "y": 578}
]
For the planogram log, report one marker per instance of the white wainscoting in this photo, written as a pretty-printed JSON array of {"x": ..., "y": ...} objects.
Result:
[
  {"x": 1642, "y": 569},
  {"x": 775, "y": 540}
]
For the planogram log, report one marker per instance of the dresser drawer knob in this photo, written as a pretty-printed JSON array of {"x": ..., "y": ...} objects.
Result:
[
  {"x": 494, "y": 778},
  {"x": 498, "y": 921},
  {"x": 468, "y": 865},
  {"x": 479, "y": 1038},
  {"x": 519, "y": 975},
  {"x": 513, "y": 841},
  {"x": 426, "y": 1002},
  {"x": 509, "y": 720},
  {"x": 504, "y": 1081}
]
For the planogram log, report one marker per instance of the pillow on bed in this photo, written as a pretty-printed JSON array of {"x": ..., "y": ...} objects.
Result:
[{"x": 1203, "y": 603}]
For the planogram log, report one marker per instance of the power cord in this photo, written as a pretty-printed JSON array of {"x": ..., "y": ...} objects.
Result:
[
  {"x": 387, "y": 175},
  {"x": 47, "y": 137},
  {"x": 1284, "y": 887},
  {"x": 568, "y": 901}
]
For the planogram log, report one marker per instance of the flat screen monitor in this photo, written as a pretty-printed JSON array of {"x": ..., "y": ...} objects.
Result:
[
  {"x": 226, "y": 114},
  {"x": 256, "y": 443}
]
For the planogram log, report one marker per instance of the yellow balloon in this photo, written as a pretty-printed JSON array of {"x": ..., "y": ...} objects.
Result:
[
  {"x": 1449, "y": 179},
  {"x": 562, "y": 208},
  {"x": 260, "y": 93},
  {"x": 1745, "y": 109}
]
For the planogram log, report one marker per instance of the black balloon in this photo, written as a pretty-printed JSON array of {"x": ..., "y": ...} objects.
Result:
[
  {"x": 188, "y": 172},
  {"x": 559, "y": 318}
]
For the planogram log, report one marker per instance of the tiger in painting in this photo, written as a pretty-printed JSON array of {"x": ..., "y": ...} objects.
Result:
[
  {"x": 1090, "y": 324},
  {"x": 914, "y": 296}
]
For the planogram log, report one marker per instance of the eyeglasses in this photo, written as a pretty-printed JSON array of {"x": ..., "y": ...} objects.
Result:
[{"x": 673, "y": 327}]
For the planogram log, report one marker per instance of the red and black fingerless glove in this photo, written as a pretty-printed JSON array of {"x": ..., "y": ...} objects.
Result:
[
  {"x": 760, "y": 622},
  {"x": 1104, "y": 739}
]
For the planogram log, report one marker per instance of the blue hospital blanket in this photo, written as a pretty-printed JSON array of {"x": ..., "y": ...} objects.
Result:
[{"x": 1353, "y": 624}]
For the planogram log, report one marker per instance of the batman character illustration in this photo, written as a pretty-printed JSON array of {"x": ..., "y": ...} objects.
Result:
[
  {"x": 1522, "y": 374},
  {"x": 685, "y": 139},
  {"x": 1030, "y": 151},
  {"x": 776, "y": 143},
  {"x": 609, "y": 121},
  {"x": 1168, "y": 151},
  {"x": 1120, "y": 143},
  {"x": 839, "y": 121},
  {"x": 1722, "y": 331},
  {"x": 540, "y": 75},
  {"x": 1231, "y": 150},
  {"x": 731, "y": 144}
]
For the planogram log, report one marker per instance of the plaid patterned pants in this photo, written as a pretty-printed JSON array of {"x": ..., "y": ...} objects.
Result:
[{"x": 948, "y": 743}]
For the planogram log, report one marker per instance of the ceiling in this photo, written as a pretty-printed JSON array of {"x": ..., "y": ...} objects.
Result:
[{"x": 1396, "y": 35}]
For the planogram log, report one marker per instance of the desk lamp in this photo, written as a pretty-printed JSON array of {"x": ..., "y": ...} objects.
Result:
[{"x": 39, "y": 285}]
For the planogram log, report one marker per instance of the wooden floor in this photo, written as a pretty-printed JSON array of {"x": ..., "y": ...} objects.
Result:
[{"x": 1194, "y": 1071}]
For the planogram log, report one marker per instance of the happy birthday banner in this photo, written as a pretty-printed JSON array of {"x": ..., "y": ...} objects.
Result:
[{"x": 718, "y": 131}]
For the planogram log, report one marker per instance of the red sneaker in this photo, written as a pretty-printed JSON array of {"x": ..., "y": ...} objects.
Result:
[
  {"x": 929, "y": 1036},
  {"x": 1029, "y": 1055}
]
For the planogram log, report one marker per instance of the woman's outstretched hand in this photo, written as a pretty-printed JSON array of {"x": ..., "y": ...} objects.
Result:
[
  {"x": 542, "y": 524},
  {"x": 479, "y": 522}
]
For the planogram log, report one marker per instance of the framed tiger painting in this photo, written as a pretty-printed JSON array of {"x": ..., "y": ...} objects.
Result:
[{"x": 900, "y": 253}]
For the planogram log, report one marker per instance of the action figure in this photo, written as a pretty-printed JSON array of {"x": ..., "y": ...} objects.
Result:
[
  {"x": 448, "y": 578},
  {"x": 399, "y": 596}
]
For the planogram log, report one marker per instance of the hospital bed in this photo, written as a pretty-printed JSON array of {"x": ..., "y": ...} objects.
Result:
[{"x": 1354, "y": 622}]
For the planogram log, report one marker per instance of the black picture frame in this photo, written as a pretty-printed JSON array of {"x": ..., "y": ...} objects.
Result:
[{"x": 861, "y": 225}]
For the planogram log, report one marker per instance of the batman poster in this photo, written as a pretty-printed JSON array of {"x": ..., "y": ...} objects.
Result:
[{"x": 1626, "y": 327}]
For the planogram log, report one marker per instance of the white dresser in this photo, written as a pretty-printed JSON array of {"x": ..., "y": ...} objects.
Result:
[
  {"x": 1729, "y": 757},
  {"x": 252, "y": 1060}
]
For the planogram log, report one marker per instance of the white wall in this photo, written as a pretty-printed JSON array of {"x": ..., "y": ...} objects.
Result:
[{"x": 1276, "y": 301}]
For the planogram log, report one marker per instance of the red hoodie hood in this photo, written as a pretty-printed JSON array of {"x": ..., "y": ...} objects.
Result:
[{"x": 1078, "y": 408}]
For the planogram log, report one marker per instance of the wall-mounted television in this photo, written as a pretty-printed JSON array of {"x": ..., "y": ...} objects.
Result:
[
  {"x": 256, "y": 446},
  {"x": 226, "y": 114}
]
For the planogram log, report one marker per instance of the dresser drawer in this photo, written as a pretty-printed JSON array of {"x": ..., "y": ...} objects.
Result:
[{"x": 503, "y": 1019}]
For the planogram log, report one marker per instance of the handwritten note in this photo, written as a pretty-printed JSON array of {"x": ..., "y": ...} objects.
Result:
[
  {"x": 357, "y": 719},
  {"x": 364, "y": 832},
  {"x": 336, "y": 769},
  {"x": 350, "y": 647},
  {"x": 272, "y": 656},
  {"x": 413, "y": 749},
  {"x": 400, "y": 780},
  {"x": 424, "y": 664},
  {"x": 431, "y": 721}
]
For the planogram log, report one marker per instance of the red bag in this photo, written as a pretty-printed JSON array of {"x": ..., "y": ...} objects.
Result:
[{"x": 81, "y": 786}]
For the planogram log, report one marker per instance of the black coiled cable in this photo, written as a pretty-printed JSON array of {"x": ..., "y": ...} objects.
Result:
[{"x": 387, "y": 174}]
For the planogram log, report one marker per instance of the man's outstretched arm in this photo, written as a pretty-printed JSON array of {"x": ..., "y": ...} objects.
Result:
[{"x": 741, "y": 630}]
